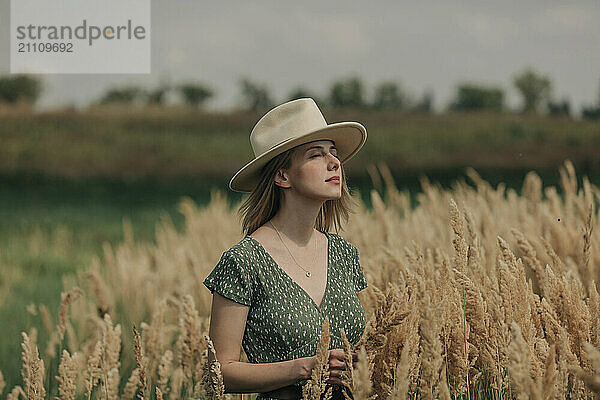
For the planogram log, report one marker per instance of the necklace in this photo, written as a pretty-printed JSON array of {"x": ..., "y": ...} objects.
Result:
[{"x": 280, "y": 238}]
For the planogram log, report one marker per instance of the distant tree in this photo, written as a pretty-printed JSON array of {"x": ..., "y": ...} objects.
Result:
[
  {"x": 347, "y": 93},
  {"x": 157, "y": 96},
  {"x": 470, "y": 97},
  {"x": 19, "y": 88},
  {"x": 388, "y": 97},
  {"x": 300, "y": 93},
  {"x": 194, "y": 94},
  {"x": 534, "y": 88},
  {"x": 123, "y": 95},
  {"x": 590, "y": 112},
  {"x": 593, "y": 111},
  {"x": 256, "y": 97},
  {"x": 562, "y": 107},
  {"x": 425, "y": 104}
]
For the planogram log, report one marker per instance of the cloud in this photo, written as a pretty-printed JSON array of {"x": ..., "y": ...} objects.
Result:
[
  {"x": 345, "y": 35},
  {"x": 177, "y": 56},
  {"x": 487, "y": 30},
  {"x": 566, "y": 19}
]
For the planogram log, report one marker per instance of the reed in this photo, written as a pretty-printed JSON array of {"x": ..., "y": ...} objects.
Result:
[{"x": 476, "y": 292}]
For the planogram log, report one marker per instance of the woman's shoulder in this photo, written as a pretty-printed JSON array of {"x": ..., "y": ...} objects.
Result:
[
  {"x": 341, "y": 242},
  {"x": 240, "y": 250}
]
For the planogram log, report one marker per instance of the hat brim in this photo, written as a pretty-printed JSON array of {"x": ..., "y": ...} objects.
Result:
[{"x": 348, "y": 137}]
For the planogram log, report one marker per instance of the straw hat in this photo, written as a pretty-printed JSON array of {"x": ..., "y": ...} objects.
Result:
[{"x": 292, "y": 124}]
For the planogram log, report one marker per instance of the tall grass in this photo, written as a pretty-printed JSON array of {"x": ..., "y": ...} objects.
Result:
[{"x": 475, "y": 293}]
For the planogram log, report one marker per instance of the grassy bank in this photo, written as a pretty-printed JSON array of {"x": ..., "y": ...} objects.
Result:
[{"x": 174, "y": 143}]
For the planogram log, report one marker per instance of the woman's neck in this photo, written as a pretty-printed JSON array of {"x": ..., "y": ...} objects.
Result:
[{"x": 296, "y": 220}]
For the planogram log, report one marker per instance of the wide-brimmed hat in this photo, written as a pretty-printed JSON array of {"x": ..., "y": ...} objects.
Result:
[{"x": 292, "y": 124}]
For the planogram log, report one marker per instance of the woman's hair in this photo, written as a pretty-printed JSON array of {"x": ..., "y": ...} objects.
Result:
[{"x": 264, "y": 201}]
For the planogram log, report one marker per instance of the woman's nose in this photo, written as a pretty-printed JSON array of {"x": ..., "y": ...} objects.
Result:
[{"x": 334, "y": 159}]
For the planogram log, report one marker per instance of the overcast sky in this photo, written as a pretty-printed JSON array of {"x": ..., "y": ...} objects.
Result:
[{"x": 421, "y": 45}]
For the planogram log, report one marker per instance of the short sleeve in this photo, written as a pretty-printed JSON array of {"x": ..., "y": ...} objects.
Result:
[
  {"x": 231, "y": 278},
  {"x": 360, "y": 282}
]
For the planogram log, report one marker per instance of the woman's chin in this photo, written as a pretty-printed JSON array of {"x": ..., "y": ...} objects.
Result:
[
  {"x": 331, "y": 194},
  {"x": 336, "y": 196}
]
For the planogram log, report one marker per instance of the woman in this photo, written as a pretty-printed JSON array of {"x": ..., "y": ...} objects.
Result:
[{"x": 273, "y": 289}]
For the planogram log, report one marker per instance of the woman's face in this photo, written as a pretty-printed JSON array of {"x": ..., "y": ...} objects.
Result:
[{"x": 312, "y": 165}]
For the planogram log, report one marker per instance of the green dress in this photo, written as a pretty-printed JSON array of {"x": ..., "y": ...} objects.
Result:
[{"x": 284, "y": 322}]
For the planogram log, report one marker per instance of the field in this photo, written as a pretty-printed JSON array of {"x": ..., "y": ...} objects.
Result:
[
  {"x": 83, "y": 213},
  {"x": 477, "y": 292}
]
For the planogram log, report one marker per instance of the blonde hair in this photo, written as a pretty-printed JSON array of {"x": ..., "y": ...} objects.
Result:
[{"x": 264, "y": 201}]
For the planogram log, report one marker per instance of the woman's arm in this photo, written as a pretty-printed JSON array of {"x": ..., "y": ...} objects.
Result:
[{"x": 227, "y": 325}]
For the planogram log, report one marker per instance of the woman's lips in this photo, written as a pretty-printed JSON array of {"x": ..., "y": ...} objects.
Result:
[{"x": 334, "y": 180}]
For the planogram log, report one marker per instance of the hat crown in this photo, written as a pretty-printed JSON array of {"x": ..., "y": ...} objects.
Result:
[{"x": 286, "y": 122}]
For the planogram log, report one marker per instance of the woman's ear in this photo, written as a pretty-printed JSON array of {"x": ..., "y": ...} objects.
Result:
[{"x": 281, "y": 179}]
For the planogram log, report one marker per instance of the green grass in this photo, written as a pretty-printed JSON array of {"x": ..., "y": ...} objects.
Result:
[
  {"x": 174, "y": 143},
  {"x": 52, "y": 228}
]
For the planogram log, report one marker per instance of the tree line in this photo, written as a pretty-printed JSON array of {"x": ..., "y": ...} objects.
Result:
[{"x": 534, "y": 88}]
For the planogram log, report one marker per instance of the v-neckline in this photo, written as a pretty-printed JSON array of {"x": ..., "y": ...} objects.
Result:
[{"x": 296, "y": 283}]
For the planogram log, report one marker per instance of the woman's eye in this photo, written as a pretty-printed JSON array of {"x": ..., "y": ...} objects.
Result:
[{"x": 318, "y": 155}]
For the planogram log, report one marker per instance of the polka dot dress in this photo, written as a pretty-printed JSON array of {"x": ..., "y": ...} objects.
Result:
[{"x": 284, "y": 322}]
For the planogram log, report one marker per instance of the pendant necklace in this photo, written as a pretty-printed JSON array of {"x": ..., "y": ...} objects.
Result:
[{"x": 294, "y": 258}]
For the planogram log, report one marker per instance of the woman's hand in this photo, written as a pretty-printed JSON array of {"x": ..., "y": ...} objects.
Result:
[{"x": 337, "y": 365}]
